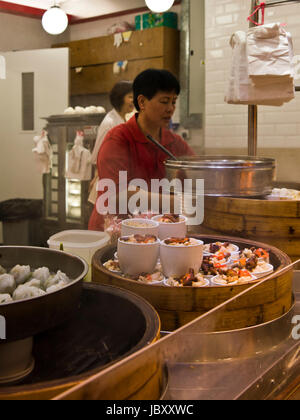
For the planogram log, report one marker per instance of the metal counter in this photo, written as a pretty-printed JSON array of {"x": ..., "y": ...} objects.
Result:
[{"x": 256, "y": 363}]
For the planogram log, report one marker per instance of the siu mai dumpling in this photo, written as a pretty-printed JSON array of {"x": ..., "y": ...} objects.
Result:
[
  {"x": 27, "y": 292},
  {"x": 59, "y": 277},
  {"x": 42, "y": 274},
  {"x": 7, "y": 284},
  {"x": 56, "y": 287},
  {"x": 5, "y": 298},
  {"x": 21, "y": 273},
  {"x": 34, "y": 283}
]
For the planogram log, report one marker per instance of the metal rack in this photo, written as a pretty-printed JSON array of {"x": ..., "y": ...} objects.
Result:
[
  {"x": 253, "y": 109},
  {"x": 66, "y": 204}
]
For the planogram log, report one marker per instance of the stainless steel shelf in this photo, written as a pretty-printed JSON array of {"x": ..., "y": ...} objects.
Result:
[{"x": 275, "y": 361}]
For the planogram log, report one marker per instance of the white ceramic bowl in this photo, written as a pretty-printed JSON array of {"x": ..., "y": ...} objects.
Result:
[
  {"x": 268, "y": 270},
  {"x": 137, "y": 259},
  {"x": 234, "y": 250},
  {"x": 208, "y": 277},
  {"x": 154, "y": 283},
  {"x": 176, "y": 261},
  {"x": 112, "y": 271},
  {"x": 127, "y": 229},
  {"x": 235, "y": 256},
  {"x": 171, "y": 230},
  {"x": 216, "y": 281},
  {"x": 206, "y": 284}
]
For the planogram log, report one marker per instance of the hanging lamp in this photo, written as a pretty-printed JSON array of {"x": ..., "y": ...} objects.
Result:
[
  {"x": 55, "y": 20},
  {"x": 159, "y": 6}
]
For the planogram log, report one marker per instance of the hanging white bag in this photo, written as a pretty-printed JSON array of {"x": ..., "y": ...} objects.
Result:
[
  {"x": 239, "y": 79},
  {"x": 270, "y": 51},
  {"x": 262, "y": 88},
  {"x": 79, "y": 162},
  {"x": 42, "y": 153}
]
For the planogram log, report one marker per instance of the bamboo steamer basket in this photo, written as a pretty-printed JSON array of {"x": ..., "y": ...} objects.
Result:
[
  {"x": 178, "y": 306},
  {"x": 274, "y": 222},
  {"x": 88, "y": 327}
]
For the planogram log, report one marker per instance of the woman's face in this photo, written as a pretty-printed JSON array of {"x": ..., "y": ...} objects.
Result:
[
  {"x": 128, "y": 105},
  {"x": 160, "y": 109}
]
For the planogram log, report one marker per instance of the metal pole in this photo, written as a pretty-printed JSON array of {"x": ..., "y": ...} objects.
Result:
[
  {"x": 252, "y": 109},
  {"x": 252, "y": 130}
]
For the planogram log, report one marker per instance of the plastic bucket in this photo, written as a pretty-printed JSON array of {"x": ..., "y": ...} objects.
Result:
[{"x": 83, "y": 243}]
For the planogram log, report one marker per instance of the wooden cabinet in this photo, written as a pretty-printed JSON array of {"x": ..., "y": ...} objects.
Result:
[{"x": 151, "y": 48}]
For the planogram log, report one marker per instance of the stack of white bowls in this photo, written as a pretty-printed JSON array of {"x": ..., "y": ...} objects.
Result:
[{"x": 139, "y": 258}]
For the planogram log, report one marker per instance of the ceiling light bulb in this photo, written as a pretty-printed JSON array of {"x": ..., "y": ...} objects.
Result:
[
  {"x": 159, "y": 6},
  {"x": 55, "y": 20}
]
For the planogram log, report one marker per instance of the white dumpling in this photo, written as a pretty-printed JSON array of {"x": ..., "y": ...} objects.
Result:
[
  {"x": 2, "y": 270},
  {"x": 79, "y": 110},
  {"x": 56, "y": 287},
  {"x": 69, "y": 110},
  {"x": 27, "y": 292},
  {"x": 91, "y": 109},
  {"x": 5, "y": 298},
  {"x": 42, "y": 274},
  {"x": 58, "y": 278},
  {"x": 34, "y": 283},
  {"x": 7, "y": 284},
  {"x": 21, "y": 273}
]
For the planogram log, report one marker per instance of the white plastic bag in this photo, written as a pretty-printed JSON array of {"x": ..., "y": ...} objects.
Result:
[
  {"x": 43, "y": 153},
  {"x": 266, "y": 85},
  {"x": 270, "y": 51},
  {"x": 79, "y": 161}
]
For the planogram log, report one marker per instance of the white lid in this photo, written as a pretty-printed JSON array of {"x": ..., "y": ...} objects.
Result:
[{"x": 79, "y": 239}]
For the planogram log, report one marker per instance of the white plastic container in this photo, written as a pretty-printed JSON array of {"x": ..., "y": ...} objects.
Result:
[{"x": 83, "y": 243}]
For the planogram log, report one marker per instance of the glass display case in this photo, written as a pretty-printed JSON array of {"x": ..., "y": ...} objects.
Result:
[{"x": 66, "y": 203}]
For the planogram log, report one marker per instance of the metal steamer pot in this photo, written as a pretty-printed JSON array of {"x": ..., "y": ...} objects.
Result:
[
  {"x": 29, "y": 317},
  {"x": 226, "y": 176}
]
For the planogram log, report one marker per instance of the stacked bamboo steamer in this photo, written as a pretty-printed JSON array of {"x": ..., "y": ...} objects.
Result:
[{"x": 273, "y": 222}]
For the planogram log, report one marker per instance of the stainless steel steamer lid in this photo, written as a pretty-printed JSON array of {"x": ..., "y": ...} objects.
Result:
[
  {"x": 222, "y": 162},
  {"x": 226, "y": 176}
]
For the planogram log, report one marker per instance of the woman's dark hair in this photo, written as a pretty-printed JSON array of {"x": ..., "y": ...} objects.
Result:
[
  {"x": 152, "y": 81},
  {"x": 118, "y": 92}
]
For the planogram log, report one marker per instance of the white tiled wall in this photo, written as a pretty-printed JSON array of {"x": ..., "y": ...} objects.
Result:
[{"x": 226, "y": 125}]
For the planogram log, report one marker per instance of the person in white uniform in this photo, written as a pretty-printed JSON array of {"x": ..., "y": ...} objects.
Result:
[{"x": 121, "y": 98}]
